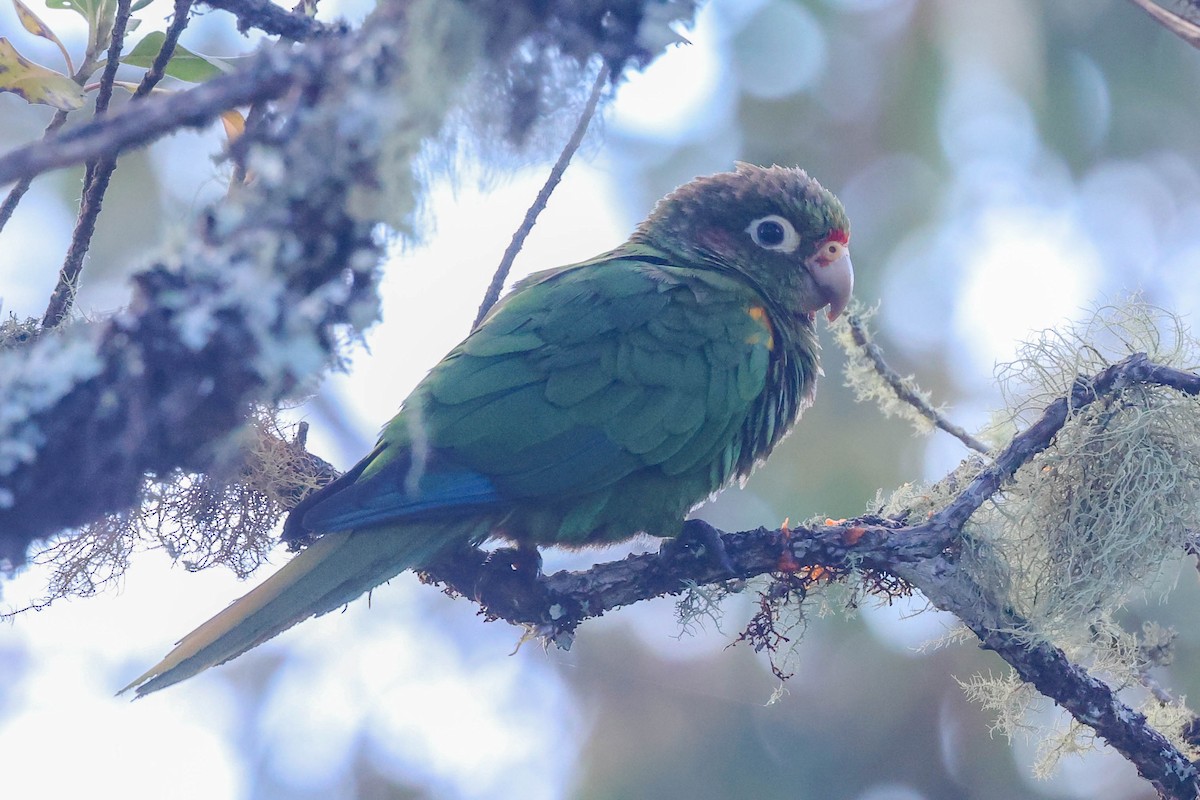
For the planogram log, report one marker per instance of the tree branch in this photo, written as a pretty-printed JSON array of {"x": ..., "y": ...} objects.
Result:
[
  {"x": 923, "y": 555},
  {"x": 1183, "y": 28},
  {"x": 95, "y": 185},
  {"x": 270, "y": 18},
  {"x": 240, "y": 315},
  {"x": 268, "y": 75}
]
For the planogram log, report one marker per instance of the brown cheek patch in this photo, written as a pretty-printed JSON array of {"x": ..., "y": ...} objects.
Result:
[{"x": 717, "y": 240}]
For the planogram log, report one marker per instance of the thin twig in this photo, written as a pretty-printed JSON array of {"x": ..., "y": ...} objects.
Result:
[
  {"x": 99, "y": 173},
  {"x": 113, "y": 60},
  {"x": 1183, "y": 28},
  {"x": 95, "y": 184},
  {"x": 564, "y": 158},
  {"x": 158, "y": 68},
  {"x": 13, "y": 198},
  {"x": 905, "y": 392},
  {"x": 267, "y": 76}
]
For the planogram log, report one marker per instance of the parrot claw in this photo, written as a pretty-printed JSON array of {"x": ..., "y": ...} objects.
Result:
[
  {"x": 525, "y": 560},
  {"x": 508, "y": 572},
  {"x": 698, "y": 539}
]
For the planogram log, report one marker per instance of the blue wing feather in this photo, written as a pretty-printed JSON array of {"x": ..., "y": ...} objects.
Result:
[{"x": 402, "y": 490}]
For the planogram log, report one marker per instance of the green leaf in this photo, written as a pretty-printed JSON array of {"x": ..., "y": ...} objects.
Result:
[
  {"x": 88, "y": 9},
  {"x": 99, "y": 15},
  {"x": 184, "y": 64},
  {"x": 35, "y": 83}
]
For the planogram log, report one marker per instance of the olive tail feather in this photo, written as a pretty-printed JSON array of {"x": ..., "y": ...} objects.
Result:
[{"x": 334, "y": 570}]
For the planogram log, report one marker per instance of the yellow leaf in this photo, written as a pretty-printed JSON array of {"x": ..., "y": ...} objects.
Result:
[
  {"x": 36, "y": 83},
  {"x": 234, "y": 123},
  {"x": 38, "y": 28}
]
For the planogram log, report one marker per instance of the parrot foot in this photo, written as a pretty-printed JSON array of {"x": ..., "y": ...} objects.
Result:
[
  {"x": 523, "y": 560},
  {"x": 509, "y": 578},
  {"x": 698, "y": 539}
]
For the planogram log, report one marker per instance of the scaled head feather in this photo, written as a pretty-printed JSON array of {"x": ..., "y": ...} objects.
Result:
[{"x": 777, "y": 226}]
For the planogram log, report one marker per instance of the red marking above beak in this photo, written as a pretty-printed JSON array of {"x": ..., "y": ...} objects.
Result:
[
  {"x": 833, "y": 273},
  {"x": 836, "y": 280}
]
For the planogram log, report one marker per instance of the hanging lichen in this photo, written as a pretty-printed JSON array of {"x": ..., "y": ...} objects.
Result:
[{"x": 225, "y": 516}]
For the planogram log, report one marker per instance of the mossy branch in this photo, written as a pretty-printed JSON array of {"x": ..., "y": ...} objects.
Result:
[
  {"x": 903, "y": 388},
  {"x": 251, "y": 307}
]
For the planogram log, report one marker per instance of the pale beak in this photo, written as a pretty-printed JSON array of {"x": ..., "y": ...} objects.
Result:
[{"x": 835, "y": 279}]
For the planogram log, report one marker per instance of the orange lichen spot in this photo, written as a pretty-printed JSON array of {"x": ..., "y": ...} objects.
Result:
[
  {"x": 759, "y": 315},
  {"x": 851, "y": 535},
  {"x": 815, "y": 573}
]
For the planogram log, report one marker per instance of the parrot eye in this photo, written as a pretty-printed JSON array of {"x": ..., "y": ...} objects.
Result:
[{"x": 773, "y": 232}]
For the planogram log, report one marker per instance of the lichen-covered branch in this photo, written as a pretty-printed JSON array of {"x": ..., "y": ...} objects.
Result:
[
  {"x": 902, "y": 388},
  {"x": 245, "y": 311},
  {"x": 268, "y": 75},
  {"x": 1088, "y": 699},
  {"x": 270, "y": 18},
  {"x": 239, "y": 315}
]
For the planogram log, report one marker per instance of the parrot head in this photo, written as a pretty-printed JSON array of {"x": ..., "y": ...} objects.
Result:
[{"x": 779, "y": 228}]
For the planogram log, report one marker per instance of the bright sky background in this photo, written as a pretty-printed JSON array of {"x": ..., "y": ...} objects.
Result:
[{"x": 395, "y": 670}]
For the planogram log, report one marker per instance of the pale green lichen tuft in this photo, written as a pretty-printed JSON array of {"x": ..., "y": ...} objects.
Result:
[
  {"x": 699, "y": 606},
  {"x": 914, "y": 502},
  {"x": 863, "y": 377},
  {"x": 1047, "y": 365},
  {"x": 1069, "y": 737},
  {"x": 1010, "y": 700},
  {"x": 15, "y": 332},
  {"x": 1172, "y": 719},
  {"x": 1099, "y": 518},
  {"x": 1099, "y": 515},
  {"x": 1019, "y": 709}
]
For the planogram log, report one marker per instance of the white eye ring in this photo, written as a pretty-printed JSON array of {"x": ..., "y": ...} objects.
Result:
[{"x": 774, "y": 232}]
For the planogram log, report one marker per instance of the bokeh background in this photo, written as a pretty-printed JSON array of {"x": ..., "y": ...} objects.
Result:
[{"x": 1007, "y": 164}]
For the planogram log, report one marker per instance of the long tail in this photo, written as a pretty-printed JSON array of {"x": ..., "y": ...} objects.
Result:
[{"x": 331, "y": 572}]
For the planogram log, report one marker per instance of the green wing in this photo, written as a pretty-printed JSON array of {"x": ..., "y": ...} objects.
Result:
[
  {"x": 592, "y": 372},
  {"x": 582, "y": 377}
]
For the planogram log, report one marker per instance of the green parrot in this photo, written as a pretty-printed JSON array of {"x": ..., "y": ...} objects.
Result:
[{"x": 596, "y": 401}]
